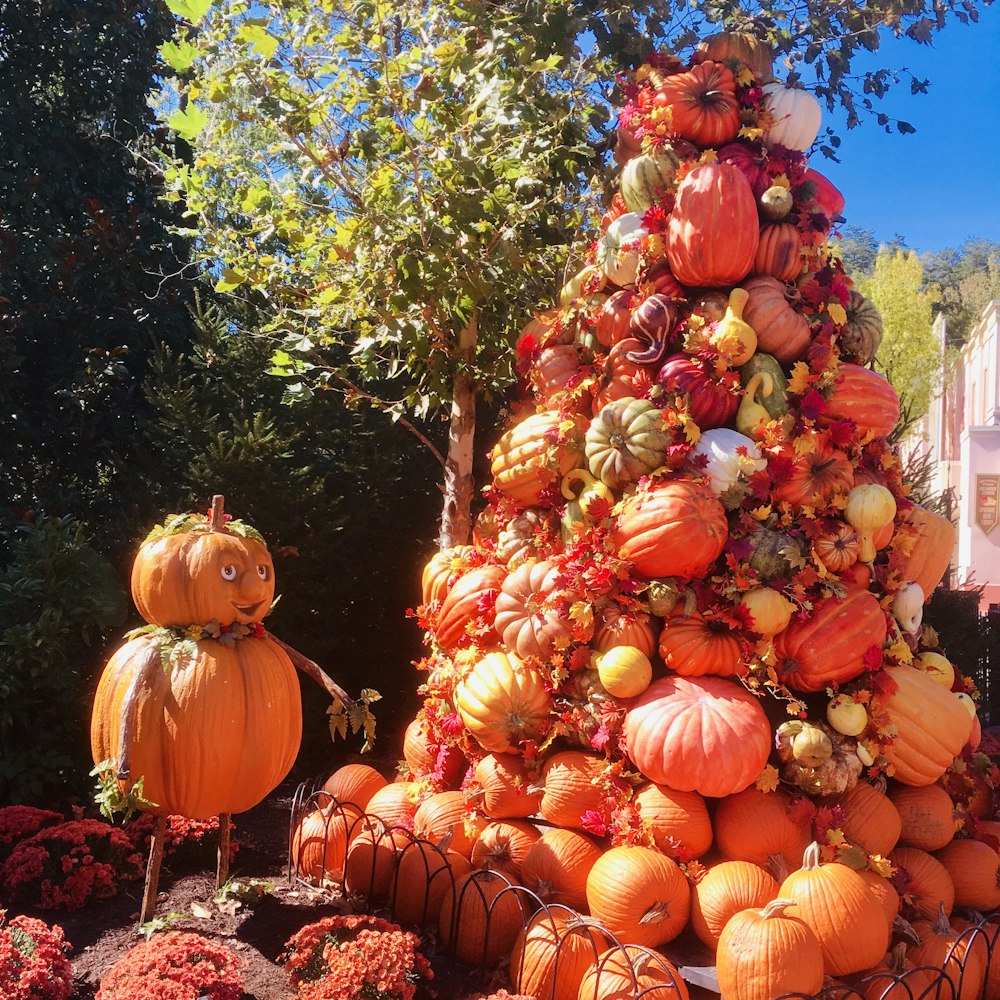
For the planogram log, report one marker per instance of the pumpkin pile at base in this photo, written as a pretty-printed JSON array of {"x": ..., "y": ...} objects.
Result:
[{"x": 685, "y": 643}]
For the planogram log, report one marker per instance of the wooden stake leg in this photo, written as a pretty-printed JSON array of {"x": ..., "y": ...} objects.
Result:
[
  {"x": 153, "y": 871},
  {"x": 222, "y": 869}
]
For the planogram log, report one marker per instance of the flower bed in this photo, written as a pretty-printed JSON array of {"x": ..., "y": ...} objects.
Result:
[
  {"x": 64, "y": 867},
  {"x": 33, "y": 962}
]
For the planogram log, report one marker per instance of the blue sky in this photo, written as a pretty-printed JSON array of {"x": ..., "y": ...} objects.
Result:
[{"x": 942, "y": 184}]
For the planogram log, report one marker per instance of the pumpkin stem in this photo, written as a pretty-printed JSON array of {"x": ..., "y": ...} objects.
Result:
[
  {"x": 656, "y": 913},
  {"x": 217, "y": 517},
  {"x": 897, "y": 959},
  {"x": 905, "y": 929},
  {"x": 777, "y": 866},
  {"x": 776, "y": 908},
  {"x": 812, "y": 859},
  {"x": 942, "y": 927}
]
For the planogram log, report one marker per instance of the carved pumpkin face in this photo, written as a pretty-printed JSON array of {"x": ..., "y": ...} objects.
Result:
[{"x": 197, "y": 577}]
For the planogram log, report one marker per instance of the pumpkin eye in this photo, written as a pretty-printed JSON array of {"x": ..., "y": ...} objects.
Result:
[
  {"x": 262, "y": 571},
  {"x": 228, "y": 572}
]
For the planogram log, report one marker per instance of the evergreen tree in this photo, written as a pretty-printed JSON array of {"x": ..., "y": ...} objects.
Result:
[{"x": 90, "y": 276}]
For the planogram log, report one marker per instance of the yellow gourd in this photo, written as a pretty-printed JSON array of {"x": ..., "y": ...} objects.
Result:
[
  {"x": 869, "y": 508},
  {"x": 847, "y": 716},
  {"x": 937, "y": 667},
  {"x": 770, "y": 610},
  {"x": 734, "y": 338},
  {"x": 581, "y": 489},
  {"x": 625, "y": 671},
  {"x": 751, "y": 413}
]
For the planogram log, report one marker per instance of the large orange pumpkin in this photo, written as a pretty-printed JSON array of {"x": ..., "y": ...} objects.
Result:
[
  {"x": 196, "y": 574},
  {"x": 674, "y": 528},
  {"x": 974, "y": 868},
  {"x": 830, "y": 643},
  {"x": 927, "y": 884},
  {"x": 927, "y": 560},
  {"x": 627, "y": 971},
  {"x": 871, "y": 819},
  {"x": 702, "y": 103},
  {"x": 677, "y": 820},
  {"x": 640, "y": 895},
  {"x": 571, "y": 787},
  {"x": 767, "y": 953},
  {"x": 846, "y": 918},
  {"x": 502, "y": 791},
  {"x": 424, "y": 875},
  {"x": 961, "y": 956},
  {"x": 557, "y": 865},
  {"x": 462, "y": 607},
  {"x": 354, "y": 784},
  {"x": 214, "y": 732},
  {"x": 693, "y": 646},
  {"x": 553, "y": 953},
  {"x": 481, "y": 918},
  {"x": 927, "y": 816},
  {"x": 713, "y": 231},
  {"x": 444, "y": 819},
  {"x": 770, "y": 829},
  {"x": 503, "y": 703},
  {"x": 502, "y": 845},
  {"x": 740, "y": 46},
  {"x": 705, "y": 735},
  {"x": 932, "y": 726}
]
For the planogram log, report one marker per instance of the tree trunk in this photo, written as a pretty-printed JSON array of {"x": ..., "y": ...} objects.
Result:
[{"x": 456, "y": 516}]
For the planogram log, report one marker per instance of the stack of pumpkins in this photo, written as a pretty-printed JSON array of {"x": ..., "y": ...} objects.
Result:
[{"x": 679, "y": 679}]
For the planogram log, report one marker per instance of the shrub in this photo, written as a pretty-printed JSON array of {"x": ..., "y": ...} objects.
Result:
[
  {"x": 17, "y": 823},
  {"x": 177, "y": 965},
  {"x": 58, "y": 599},
  {"x": 355, "y": 956},
  {"x": 182, "y": 834},
  {"x": 66, "y": 866},
  {"x": 33, "y": 962}
]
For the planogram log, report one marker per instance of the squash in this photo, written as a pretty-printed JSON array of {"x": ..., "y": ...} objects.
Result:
[
  {"x": 779, "y": 252},
  {"x": 646, "y": 179},
  {"x": 702, "y": 104},
  {"x": 531, "y": 611},
  {"x": 796, "y": 117},
  {"x": 712, "y": 233},
  {"x": 776, "y": 401},
  {"x": 733, "y": 337},
  {"x": 626, "y": 440},
  {"x": 618, "y": 249},
  {"x": 725, "y": 457},
  {"x": 531, "y": 458},
  {"x": 773, "y": 309},
  {"x": 732, "y": 743},
  {"x": 870, "y": 507},
  {"x": 861, "y": 337},
  {"x": 625, "y": 671}
]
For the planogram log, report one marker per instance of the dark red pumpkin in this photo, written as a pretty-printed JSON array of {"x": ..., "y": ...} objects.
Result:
[
  {"x": 711, "y": 402},
  {"x": 751, "y": 161},
  {"x": 713, "y": 231}
]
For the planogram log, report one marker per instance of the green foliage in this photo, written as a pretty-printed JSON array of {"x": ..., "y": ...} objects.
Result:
[
  {"x": 910, "y": 354},
  {"x": 969, "y": 279},
  {"x": 58, "y": 601}
]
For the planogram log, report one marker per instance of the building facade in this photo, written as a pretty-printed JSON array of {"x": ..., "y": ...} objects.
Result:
[{"x": 960, "y": 436}]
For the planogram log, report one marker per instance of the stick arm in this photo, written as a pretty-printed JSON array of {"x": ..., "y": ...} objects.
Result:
[{"x": 314, "y": 671}]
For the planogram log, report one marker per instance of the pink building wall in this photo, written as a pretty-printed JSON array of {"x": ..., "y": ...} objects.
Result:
[{"x": 961, "y": 435}]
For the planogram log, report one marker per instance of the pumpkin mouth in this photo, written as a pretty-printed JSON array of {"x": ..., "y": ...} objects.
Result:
[{"x": 248, "y": 609}]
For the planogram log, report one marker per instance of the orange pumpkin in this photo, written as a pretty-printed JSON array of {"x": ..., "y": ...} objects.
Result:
[
  {"x": 423, "y": 876},
  {"x": 570, "y": 781},
  {"x": 441, "y": 571},
  {"x": 845, "y": 917},
  {"x": 725, "y": 889},
  {"x": 693, "y": 646},
  {"x": 615, "y": 316},
  {"x": 927, "y": 816},
  {"x": 961, "y": 956},
  {"x": 837, "y": 548},
  {"x": 677, "y": 820},
  {"x": 770, "y": 829},
  {"x": 974, "y": 868},
  {"x": 532, "y": 611},
  {"x": 395, "y": 804},
  {"x": 553, "y": 953},
  {"x": 779, "y": 252},
  {"x": 830, "y": 644},
  {"x": 428, "y": 757},
  {"x": 731, "y": 745},
  {"x": 503, "y": 787},
  {"x": 927, "y": 560},
  {"x": 481, "y": 919},
  {"x": 640, "y": 895},
  {"x": 617, "y": 628},
  {"x": 557, "y": 865},
  {"x": 200, "y": 574},
  {"x": 864, "y": 397},
  {"x": 767, "y": 953},
  {"x": 674, "y": 528},
  {"x": 446, "y": 815},
  {"x": 502, "y": 845},
  {"x": 712, "y": 233},
  {"x": 927, "y": 884},
  {"x": 552, "y": 369},
  {"x": 503, "y": 702},
  {"x": 931, "y": 724},
  {"x": 354, "y": 784},
  {"x": 871, "y": 819},
  {"x": 741, "y": 47},
  {"x": 702, "y": 103},
  {"x": 896, "y": 978},
  {"x": 627, "y": 971},
  {"x": 319, "y": 843},
  {"x": 815, "y": 477},
  {"x": 885, "y": 895},
  {"x": 773, "y": 310},
  {"x": 214, "y": 732},
  {"x": 371, "y": 861},
  {"x": 462, "y": 607},
  {"x": 532, "y": 457}
]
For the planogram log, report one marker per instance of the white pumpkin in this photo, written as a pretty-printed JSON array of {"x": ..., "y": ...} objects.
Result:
[
  {"x": 796, "y": 117},
  {"x": 618, "y": 249},
  {"x": 908, "y": 607},
  {"x": 727, "y": 455}
]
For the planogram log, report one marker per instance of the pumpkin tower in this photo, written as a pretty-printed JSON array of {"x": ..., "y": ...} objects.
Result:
[{"x": 686, "y": 640}]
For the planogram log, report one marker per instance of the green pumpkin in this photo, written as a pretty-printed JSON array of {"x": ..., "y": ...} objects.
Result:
[
  {"x": 777, "y": 403},
  {"x": 773, "y": 554},
  {"x": 647, "y": 177},
  {"x": 626, "y": 440}
]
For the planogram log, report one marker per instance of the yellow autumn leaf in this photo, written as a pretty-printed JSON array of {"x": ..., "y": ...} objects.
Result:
[
  {"x": 837, "y": 313},
  {"x": 692, "y": 432},
  {"x": 582, "y": 612},
  {"x": 767, "y": 780},
  {"x": 761, "y": 513},
  {"x": 900, "y": 652},
  {"x": 781, "y": 181},
  {"x": 709, "y": 156},
  {"x": 805, "y": 444},
  {"x": 801, "y": 378},
  {"x": 744, "y": 78},
  {"x": 881, "y": 866}
]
